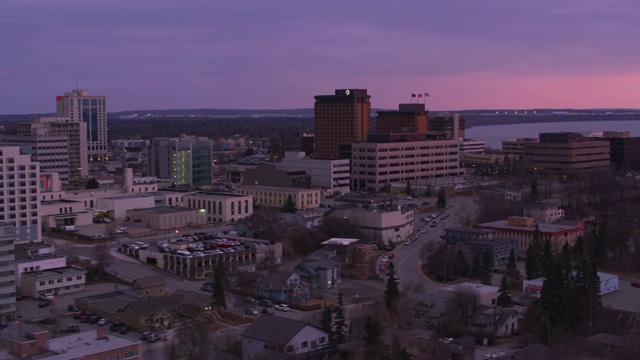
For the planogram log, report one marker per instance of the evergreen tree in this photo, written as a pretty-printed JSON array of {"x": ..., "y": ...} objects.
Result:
[
  {"x": 217, "y": 296},
  {"x": 532, "y": 265},
  {"x": 547, "y": 256},
  {"x": 372, "y": 338},
  {"x": 93, "y": 184},
  {"x": 340, "y": 325},
  {"x": 486, "y": 267},
  {"x": 392, "y": 292},
  {"x": 511, "y": 262},
  {"x": 534, "y": 188},
  {"x": 408, "y": 189},
  {"x": 399, "y": 352},
  {"x": 565, "y": 258},
  {"x": 461, "y": 265},
  {"x": 504, "y": 298},
  {"x": 475, "y": 267},
  {"x": 578, "y": 248},
  {"x": 553, "y": 298},
  {"x": 442, "y": 200},
  {"x": 289, "y": 205},
  {"x": 326, "y": 322},
  {"x": 601, "y": 241}
]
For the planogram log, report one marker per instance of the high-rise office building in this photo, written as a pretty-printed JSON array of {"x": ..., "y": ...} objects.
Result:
[
  {"x": 409, "y": 118},
  {"x": 186, "y": 160},
  {"x": 80, "y": 106},
  {"x": 19, "y": 195},
  {"x": 7, "y": 272},
  {"x": 341, "y": 118}
]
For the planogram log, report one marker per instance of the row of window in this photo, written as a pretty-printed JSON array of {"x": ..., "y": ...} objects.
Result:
[{"x": 61, "y": 280}]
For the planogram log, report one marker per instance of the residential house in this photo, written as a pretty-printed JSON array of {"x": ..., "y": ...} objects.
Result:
[
  {"x": 430, "y": 309},
  {"x": 494, "y": 319},
  {"x": 152, "y": 314},
  {"x": 192, "y": 304},
  {"x": 323, "y": 274},
  {"x": 532, "y": 352},
  {"x": 284, "y": 286},
  {"x": 275, "y": 337},
  {"x": 150, "y": 285}
]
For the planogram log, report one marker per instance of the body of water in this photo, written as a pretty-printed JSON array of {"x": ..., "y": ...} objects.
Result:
[{"x": 493, "y": 135}]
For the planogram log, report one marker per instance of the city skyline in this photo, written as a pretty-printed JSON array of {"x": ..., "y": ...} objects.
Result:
[{"x": 257, "y": 55}]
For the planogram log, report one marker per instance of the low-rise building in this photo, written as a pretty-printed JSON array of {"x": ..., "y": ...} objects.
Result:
[
  {"x": 38, "y": 344},
  {"x": 384, "y": 225},
  {"x": 36, "y": 257},
  {"x": 608, "y": 284},
  {"x": 220, "y": 208},
  {"x": 544, "y": 212},
  {"x": 52, "y": 281},
  {"x": 168, "y": 217},
  {"x": 486, "y": 294},
  {"x": 525, "y": 229},
  {"x": 502, "y": 322},
  {"x": 151, "y": 285},
  {"x": 324, "y": 274},
  {"x": 276, "y": 196},
  {"x": 274, "y": 337},
  {"x": 284, "y": 286},
  {"x": 325, "y": 173}
]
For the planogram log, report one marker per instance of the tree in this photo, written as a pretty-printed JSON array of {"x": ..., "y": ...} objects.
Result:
[
  {"x": 578, "y": 247},
  {"x": 217, "y": 296},
  {"x": 326, "y": 322},
  {"x": 392, "y": 292},
  {"x": 339, "y": 334},
  {"x": 289, "y": 205},
  {"x": 399, "y": 352},
  {"x": 372, "y": 338},
  {"x": 532, "y": 265},
  {"x": 504, "y": 298},
  {"x": 442, "y": 200},
  {"x": 511, "y": 262},
  {"x": 534, "y": 188},
  {"x": 408, "y": 189},
  {"x": 249, "y": 152},
  {"x": 475, "y": 267},
  {"x": 486, "y": 267},
  {"x": 93, "y": 184},
  {"x": 547, "y": 256}
]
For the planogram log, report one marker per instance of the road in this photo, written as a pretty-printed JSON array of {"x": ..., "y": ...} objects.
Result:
[{"x": 407, "y": 259}]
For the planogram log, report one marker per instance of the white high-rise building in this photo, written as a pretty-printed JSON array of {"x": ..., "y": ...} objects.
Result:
[
  {"x": 80, "y": 106},
  {"x": 20, "y": 193},
  {"x": 7, "y": 272}
]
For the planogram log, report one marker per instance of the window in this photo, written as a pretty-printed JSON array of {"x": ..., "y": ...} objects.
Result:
[
  {"x": 305, "y": 344},
  {"x": 51, "y": 282},
  {"x": 289, "y": 348}
]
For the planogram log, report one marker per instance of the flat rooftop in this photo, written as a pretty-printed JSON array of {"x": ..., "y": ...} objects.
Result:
[
  {"x": 340, "y": 241},
  {"x": 85, "y": 344},
  {"x": 544, "y": 228},
  {"x": 164, "y": 210},
  {"x": 53, "y": 273}
]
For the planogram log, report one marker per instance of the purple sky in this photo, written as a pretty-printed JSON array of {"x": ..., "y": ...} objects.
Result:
[{"x": 262, "y": 54}]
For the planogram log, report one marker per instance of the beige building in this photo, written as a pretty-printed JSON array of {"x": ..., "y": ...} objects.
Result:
[
  {"x": 52, "y": 281},
  {"x": 168, "y": 217},
  {"x": 220, "y": 208},
  {"x": 544, "y": 212},
  {"x": 80, "y": 106},
  {"x": 377, "y": 166},
  {"x": 52, "y": 152},
  {"x": 409, "y": 118},
  {"x": 486, "y": 294},
  {"x": 382, "y": 226},
  {"x": 74, "y": 131},
  {"x": 276, "y": 196},
  {"x": 19, "y": 194}
]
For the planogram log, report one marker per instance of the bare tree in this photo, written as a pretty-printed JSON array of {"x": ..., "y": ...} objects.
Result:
[{"x": 102, "y": 257}]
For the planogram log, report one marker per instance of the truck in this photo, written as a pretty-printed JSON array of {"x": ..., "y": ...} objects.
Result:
[{"x": 69, "y": 228}]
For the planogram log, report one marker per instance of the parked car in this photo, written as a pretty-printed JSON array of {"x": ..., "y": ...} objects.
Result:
[
  {"x": 250, "y": 311},
  {"x": 115, "y": 327},
  {"x": 73, "y": 308},
  {"x": 423, "y": 231},
  {"x": 282, "y": 307},
  {"x": 122, "y": 230},
  {"x": 433, "y": 224},
  {"x": 124, "y": 329},
  {"x": 44, "y": 303},
  {"x": 635, "y": 284},
  {"x": 102, "y": 322},
  {"x": 70, "y": 329},
  {"x": 265, "y": 303},
  {"x": 153, "y": 337},
  {"x": 207, "y": 288},
  {"x": 250, "y": 300},
  {"x": 267, "y": 311},
  {"x": 391, "y": 255},
  {"x": 93, "y": 319},
  {"x": 47, "y": 321},
  {"x": 47, "y": 297}
]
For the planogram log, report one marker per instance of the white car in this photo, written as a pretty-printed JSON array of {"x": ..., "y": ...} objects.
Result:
[
  {"x": 122, "y": 230},
  {"x": 423, "y": 231},
  {"x": 102, "y": 322},
  {"x": 282, "y": 307}
]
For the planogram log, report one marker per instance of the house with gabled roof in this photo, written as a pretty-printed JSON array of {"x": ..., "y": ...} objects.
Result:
[
  {"x": 152, "y": 314},
  {"x": 275, "y": 337},
  {"x": 284, "y": 286},
  {"x": 150, "y": 285},
  {"x": 323, "y": 274}
]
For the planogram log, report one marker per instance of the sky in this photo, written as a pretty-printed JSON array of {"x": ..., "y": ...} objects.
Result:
[{"x": 259, "y": 54}]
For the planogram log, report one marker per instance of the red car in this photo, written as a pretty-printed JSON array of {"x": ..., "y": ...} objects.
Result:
[
  {"x": 391, "y": 255},
  {"x": 635, "y": 284}
]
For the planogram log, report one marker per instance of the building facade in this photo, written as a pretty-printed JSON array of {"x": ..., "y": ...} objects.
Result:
[
  {"x": 19, "y": 193},
  {"x": 80, "y": 106},
  {"x": 525, "y": 230},
  {"x": 409, "y": 118},
  {"x": 383, "y": 226},
  {"x": 52, "y": 152},
  {"x": 185, "y": 160},
  {"x": 276, "y": 196},
  {"x": 544, "y": 212},
  {"x": 52, "y": 281},
  {"x": 376, "y": 166},
  {"x": 74, "y": 131},
  {"x": 446, "y": 126},
  {"x": 7, "y": 272},
  {"x": 565, "y": 155},
  {"x": 341, "y": 118},
  {"x": 328, "y": 174},
  {"x": 220, "y": 208}
]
